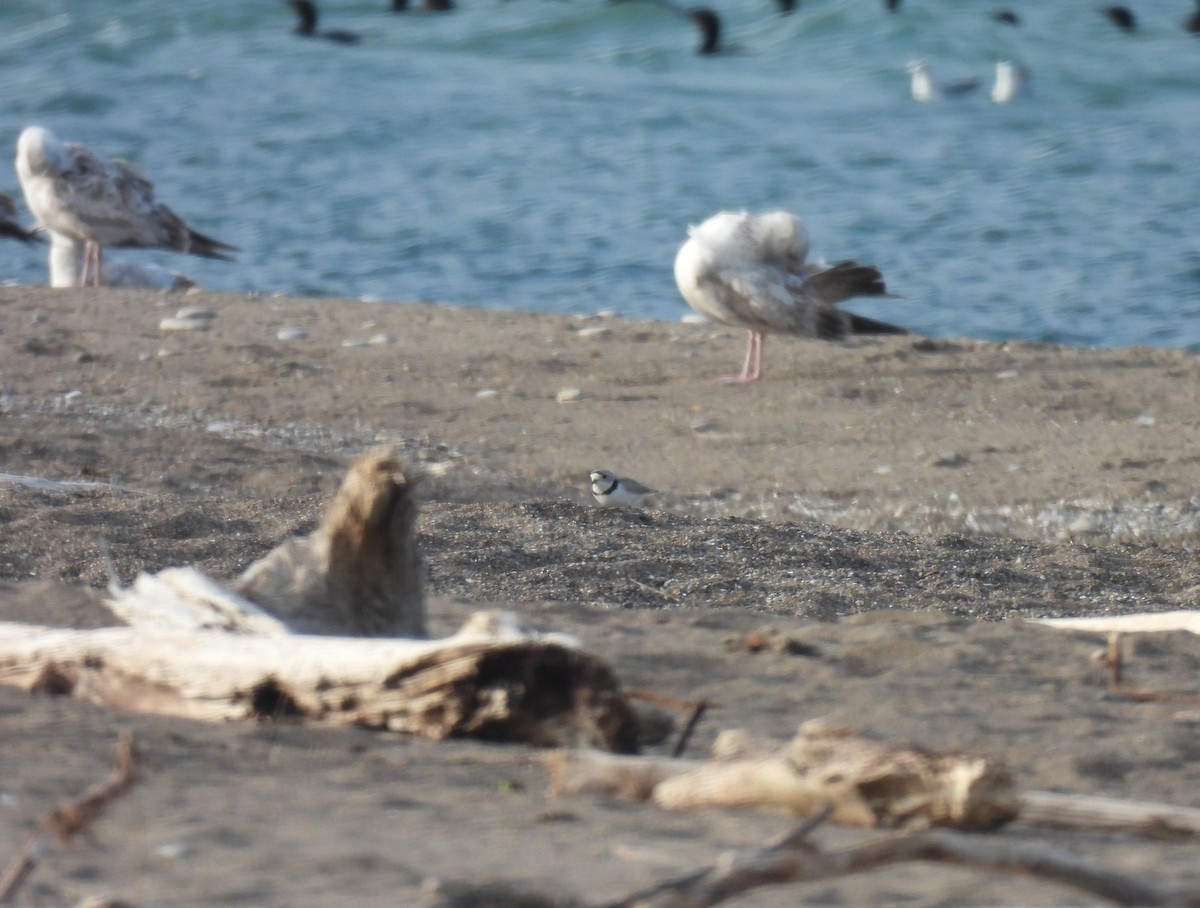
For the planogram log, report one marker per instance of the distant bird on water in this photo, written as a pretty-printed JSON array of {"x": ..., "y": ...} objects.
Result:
[
  {"x": 8, "y": 222},
  {"x": 749, "y": 271},
  {"x": 1012, "y": 82},
  {"x": 1121, "y": 16},
  {"x": 102, "y": 203},
  {"x": 427, "y": 6},
  {"x": 891, "y": 6},
  {"x": 926, "y": 88},
  {"x": 1192, "y": 22},
  {"x": 1006, "y": 17},
  {"x": 710, "y": 29},
  {"x": 306, "y": 24}
]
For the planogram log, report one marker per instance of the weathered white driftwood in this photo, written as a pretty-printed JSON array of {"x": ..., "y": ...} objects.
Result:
[
  {"x": 866, "y": 782},
  {"x": 360, "y": 572},
  {"x": 506, "y": 687},
  {"x": 1148, "y": 622}
]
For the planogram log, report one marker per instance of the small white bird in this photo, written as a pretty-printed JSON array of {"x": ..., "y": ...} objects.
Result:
[
  {"x": 93, "y": 200},
  {"x": 1011, "y": 82},
  {"x": 748, "y": 271},
  {"x": 611, "y": 490},
  {"x": 926, "y": 88}
]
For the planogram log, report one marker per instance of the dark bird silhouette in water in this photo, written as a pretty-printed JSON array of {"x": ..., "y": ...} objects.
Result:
[
  {"x": 1122, "y": 17},
  {"x": 710, "y": 29},
  {"x": 306, "y": 24},
  {"x": 891, "y": 5},
  {"x": 8, "y": 222},
  {"x": 786, "y": 6},
  {"x": 1006, "y": 17},
  {"x": 427, "y": 6},
  {"x": 1192, "y": 22}
]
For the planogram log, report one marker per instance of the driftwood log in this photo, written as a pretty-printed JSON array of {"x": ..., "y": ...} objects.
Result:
[
  {"x": 360, "y": 572},
  {"x": 203, "y": 650},
  {"x": 865, "y": 782}
]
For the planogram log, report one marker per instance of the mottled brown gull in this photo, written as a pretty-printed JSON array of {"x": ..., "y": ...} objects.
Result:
[{"x": 103, "y": 203}]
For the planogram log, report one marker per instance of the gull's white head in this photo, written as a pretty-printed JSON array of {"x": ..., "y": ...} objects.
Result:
[{"x": 38, "y": 150}]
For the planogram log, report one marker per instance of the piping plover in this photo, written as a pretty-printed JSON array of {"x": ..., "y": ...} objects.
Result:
[
  {"x": 611, "y": 490},
  {"x": 748, "y": 271},
  {"x": 77, "y": 193}
]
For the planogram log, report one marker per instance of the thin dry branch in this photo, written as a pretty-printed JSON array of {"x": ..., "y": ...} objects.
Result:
[
  {"x": 795, "y": 860},
  {"x": 68, "y": 820}
]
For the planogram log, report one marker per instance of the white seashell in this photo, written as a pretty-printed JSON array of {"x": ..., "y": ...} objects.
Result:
[
  {"x": 568, "y": 395},
  {"x": 292, "y": 333}
]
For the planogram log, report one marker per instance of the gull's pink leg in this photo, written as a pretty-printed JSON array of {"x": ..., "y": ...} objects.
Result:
[
  {"x": 752, "y": 366},
  {"x": 89, "y": 255}
]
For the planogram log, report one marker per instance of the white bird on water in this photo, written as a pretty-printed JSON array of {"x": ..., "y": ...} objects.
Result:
[
  {"x": 1012, "y": 82},
  {"x": 749, "y": 271},
  {"x": 926, "y": 88},
  {"x": 102, "y": 203}
]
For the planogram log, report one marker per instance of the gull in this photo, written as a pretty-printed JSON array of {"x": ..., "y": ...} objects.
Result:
[
  {"x": 1011, "y": 82},
  {"x": 8, "y": 222},
  {"x": 306, "y": 24},
  {"x": 926, "y": 88},
  {"x": 749, "y": 271},
  {"x": 102, "y": 203},
  {"x": 611, "y": 490}
]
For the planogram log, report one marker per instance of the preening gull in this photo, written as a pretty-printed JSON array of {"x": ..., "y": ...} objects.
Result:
[
  {"x": 66, "y": 269},
  {"x": 749, "y": 271},
  {"x": 8, "y": 222},
  {"x": 100, "y": 202},
  {"x": 926, "y": 88}
]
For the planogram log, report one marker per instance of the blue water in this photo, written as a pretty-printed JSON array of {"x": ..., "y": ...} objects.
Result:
[{"x": 543, "y": 155}]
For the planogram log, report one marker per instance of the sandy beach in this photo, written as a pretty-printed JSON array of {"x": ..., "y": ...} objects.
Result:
[{"x": 899, "y": 505}]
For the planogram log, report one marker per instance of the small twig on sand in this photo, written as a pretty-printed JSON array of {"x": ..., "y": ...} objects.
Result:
[
  {"x": 795, "y": 860},
  {"x": 684, "y": 736},
  {"x": 68, "y": 820}
]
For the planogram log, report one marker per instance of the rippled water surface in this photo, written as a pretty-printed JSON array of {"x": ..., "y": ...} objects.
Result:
[{"x": 549, "y": 155}]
